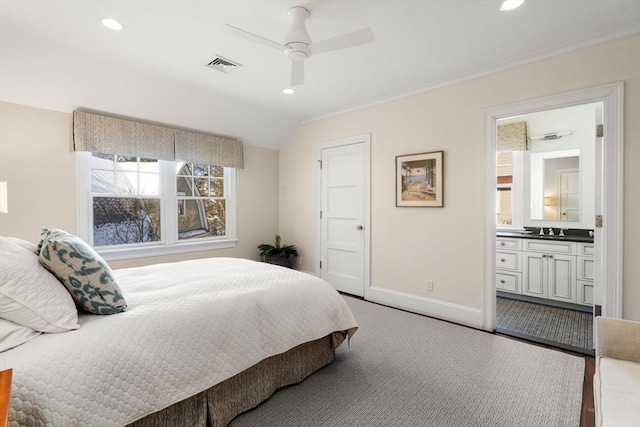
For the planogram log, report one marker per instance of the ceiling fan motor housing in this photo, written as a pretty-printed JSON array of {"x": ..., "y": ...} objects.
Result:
[{"x": 298, "y": 39}]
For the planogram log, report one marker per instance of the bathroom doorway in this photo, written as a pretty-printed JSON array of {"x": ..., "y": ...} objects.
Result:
[
  {"x": 548, "y": 265},
  {"x": 546, "y": 162}
]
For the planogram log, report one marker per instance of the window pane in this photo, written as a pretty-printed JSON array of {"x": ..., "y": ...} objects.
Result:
[
  {"x": 149, "y": 183},
  {"x": 504, "y": 207},
  {"x": 127, "y": 182},
  {"x": 201, "y": 218},
  {"x": 184, "y": 186},
  {"x": 201, "y": 170},
  {"x": 102, "y": 161},
  {"x": 149, "y": 165},
  {"x": 102, "y": 181},
  {"x": 122, "y": 220},
  {"x": 184, "y": 168},
  {"x": 217, "y": 171},
  {"x": 216, "y": 188},
  {"x": 201, "y": 187},
  {"x": 126, "y": 159}
]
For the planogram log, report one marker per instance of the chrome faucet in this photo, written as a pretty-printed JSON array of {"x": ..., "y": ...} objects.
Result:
[
  {"x": 561, "y": 232},
  {"x": 551, "y": 231},
  {"x": 541, "y": 233}
]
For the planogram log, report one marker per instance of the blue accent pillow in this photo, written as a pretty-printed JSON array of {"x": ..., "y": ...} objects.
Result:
[{"x": 82, "y": 271}]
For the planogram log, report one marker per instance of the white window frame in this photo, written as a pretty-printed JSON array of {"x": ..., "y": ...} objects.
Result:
[{"x": 169, "y": 242}]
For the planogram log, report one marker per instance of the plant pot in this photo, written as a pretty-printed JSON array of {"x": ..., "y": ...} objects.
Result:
[{"x": 284, "y": 261}]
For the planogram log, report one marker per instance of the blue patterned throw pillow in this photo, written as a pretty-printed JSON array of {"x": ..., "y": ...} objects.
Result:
[{"x": 82, "y": 271}]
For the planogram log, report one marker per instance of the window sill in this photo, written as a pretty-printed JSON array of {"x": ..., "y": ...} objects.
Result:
[{"x": 113, "y": 254}]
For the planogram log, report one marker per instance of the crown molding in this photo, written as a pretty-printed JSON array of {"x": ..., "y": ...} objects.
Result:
[{"x": 603, "y": 37}]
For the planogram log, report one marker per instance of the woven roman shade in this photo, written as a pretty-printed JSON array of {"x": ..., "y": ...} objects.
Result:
[
  {"x": 110, "y": 135},
  {"x": 98, "y": 133},
  {"x": 214, "y": 150},
  {"x": 512, "y": 137}
]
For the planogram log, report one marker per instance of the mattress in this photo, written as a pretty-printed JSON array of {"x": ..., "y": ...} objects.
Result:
[{"x": 188, "y": 326}]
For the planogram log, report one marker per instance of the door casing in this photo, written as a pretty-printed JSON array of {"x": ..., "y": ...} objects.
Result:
[{"x": 608, "y": 239}]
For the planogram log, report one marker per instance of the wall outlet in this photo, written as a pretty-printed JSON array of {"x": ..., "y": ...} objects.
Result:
[
  {"x": 429, "y": 285},
  {"x": 299, "y": 260}
]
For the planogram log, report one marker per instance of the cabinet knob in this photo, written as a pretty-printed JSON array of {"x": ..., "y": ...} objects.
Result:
[
  {"x": 502, "y": 259},
  {"x": 502, "y": 281},
  {"x": 544, "y": 255},
  {"x": 550, "y": 256},
  {"x": 502, "y": 243}
]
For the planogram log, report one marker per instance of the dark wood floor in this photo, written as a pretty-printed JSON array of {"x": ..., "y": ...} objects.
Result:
[{"x": 588, "y": 413}]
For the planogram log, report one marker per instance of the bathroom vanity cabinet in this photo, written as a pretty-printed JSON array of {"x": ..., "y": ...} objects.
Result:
[{"x": 557, "y": 270}]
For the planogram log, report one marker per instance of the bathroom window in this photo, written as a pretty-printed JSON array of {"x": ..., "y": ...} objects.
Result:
[
  {"x": 509, "y": 165},
  {"x": 504, "y": 196}
]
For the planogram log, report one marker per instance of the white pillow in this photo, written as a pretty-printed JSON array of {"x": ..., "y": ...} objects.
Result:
[
  {"x": 12, "y": 334},
  {"x": 24, "y": 243},
  {"x": 30, "y": 295}
]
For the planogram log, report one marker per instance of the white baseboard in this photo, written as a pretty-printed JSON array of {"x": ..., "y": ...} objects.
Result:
[{"x": 456, "y": 313}]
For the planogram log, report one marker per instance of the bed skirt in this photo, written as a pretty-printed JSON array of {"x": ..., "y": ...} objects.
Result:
[{"x": 218, "y": 405}]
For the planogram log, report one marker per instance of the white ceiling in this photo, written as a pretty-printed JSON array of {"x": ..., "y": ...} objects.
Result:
[{"x": 56, "y": 54}]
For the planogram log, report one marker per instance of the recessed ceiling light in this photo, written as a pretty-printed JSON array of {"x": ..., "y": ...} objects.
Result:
[
  {"x": 112, "y": 24},
  {"x": 288, "y": 91},
  {"x": 510, "y": 4}
]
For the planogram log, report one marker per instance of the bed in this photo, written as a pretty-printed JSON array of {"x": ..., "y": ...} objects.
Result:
[{"x": 200, "y": 342}]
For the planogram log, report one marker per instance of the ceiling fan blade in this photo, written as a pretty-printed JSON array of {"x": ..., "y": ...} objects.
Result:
[
  {"x": 355, "y": 38},
  {"x": 297, "y": 73},
  {"x": 253, "y": 37}
]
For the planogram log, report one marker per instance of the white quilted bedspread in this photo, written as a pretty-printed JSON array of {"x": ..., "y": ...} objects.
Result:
[{"x": 188, "y": 326}]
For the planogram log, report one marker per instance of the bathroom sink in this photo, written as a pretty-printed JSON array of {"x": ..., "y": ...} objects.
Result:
[{"x": 531, "y": 235}]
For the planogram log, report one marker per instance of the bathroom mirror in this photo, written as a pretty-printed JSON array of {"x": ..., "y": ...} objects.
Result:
[{"x": 555, "y": 185}]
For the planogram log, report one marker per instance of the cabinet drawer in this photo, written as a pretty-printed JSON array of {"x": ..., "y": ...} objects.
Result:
[
  {"x": 506, "y": 243},
  {"x": 585, "y": 292},
  {"x": 508, "y": 282},
  {"x": 508, "y": 260},
  {"x": 550, "y": 246},
  {"x": 585, "y": 249},
  {"x": 585, "y": 268}
]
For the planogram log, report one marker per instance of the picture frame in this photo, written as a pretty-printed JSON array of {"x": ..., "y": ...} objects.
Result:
[{"x": 419, "y": 180}]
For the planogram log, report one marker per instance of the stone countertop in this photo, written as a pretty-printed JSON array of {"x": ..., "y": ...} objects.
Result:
[{"x": 570, "y": 235}]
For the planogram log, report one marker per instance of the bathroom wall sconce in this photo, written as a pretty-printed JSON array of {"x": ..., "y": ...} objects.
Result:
[
  {"x": 4, "y": 204},
  {"x": 549, "y": 201}
]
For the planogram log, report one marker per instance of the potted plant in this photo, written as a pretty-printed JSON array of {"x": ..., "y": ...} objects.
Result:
[{"x": 277, "y": 253}]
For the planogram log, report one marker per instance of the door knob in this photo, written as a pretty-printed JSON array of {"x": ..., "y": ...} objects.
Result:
[{"x": 359, "y": 228}]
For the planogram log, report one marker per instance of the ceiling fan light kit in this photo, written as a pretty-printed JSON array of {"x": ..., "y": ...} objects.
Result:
[
  {"x": 510, "y": 5},
  {"x": 112, "y": 24},
  {"x": 298, "y": 45}
]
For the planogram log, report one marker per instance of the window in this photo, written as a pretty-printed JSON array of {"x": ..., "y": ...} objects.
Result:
[
  {"x": 504, "y": 197},
  {"x": 510, "y": 189},
  {"x": 201, "y": 201},
  {"x": 131, "y": 206}
]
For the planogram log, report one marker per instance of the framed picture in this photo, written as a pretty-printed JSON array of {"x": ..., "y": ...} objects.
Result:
[{"x": 419, "y": 180}]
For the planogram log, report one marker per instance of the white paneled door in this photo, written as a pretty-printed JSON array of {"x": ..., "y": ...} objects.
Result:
[{"x": 342, "y": 237}]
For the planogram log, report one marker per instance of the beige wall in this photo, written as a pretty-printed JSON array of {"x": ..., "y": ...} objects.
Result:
[
  {"x": 37, "y": 162},
  {"x": 446, "y": 245}
]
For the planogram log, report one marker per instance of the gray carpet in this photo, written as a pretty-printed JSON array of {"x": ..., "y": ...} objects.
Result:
[
  {"x": 409, "y": 370},
  {"x": 569, "y": 329}
]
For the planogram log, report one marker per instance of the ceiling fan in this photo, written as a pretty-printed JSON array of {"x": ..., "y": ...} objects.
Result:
[{"x": 298, "y": 45}]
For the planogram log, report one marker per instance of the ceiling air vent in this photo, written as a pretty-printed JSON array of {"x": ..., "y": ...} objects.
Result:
[{"x": 223, "y": 64}]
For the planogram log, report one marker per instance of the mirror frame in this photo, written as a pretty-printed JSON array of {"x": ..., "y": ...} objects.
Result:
[{"x": 537, "y": 172}]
